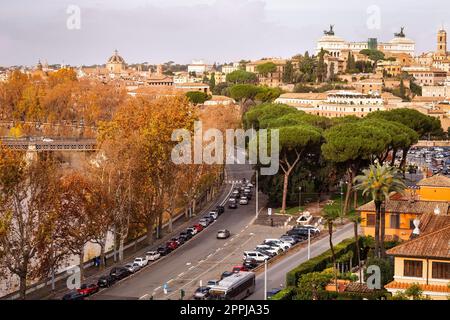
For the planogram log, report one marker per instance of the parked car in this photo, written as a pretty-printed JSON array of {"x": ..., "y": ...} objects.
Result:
[
  {"x": 88, "y": 289},
  {"x": 210, "y": 219},
  {"x": 106, "y": 281},
  {"x": 280, "y": 243},
  {"x": 237, "y": 269},
  {"x": 223, "y": 234},
  {"x": 198, "y": 227},
  {"x": 271, "y": 249},
  {"x": 236, "y": 193},
  {"x": 258, "y": 256},
  {"x": 192, "y": 230},
  {"x": 214, "y": 214},
  {"x": 204, "y": 222},
  {"x": 313, "y": 229},
  {"x": 270, "y": 255},
  {"x": 152, "y": 255},
  {"x": 185, "y": 235},
  {"x": 288, "y": 239},
  {"x": 220, "y": 209},
  {"x": 131, "y": 267},
  {"x": 119, "y": 273},
  {"x": 163, "y": 251},
  {"x": 179, "y": 240},
  {"x": 142, "y": 262},
  {"x": 250, "y": 263},
  {"x": 272, "y": 292},
  {"x": 225, "y": 274},
  {"x": 201, "y": 293},
  {"x": 172, "y": 245},
  {"x": 232, "y": 205},
  {"x": 73, "y": 295},
  {"x": 243, "y": 200},
  {"x": 249, "y": 185}
]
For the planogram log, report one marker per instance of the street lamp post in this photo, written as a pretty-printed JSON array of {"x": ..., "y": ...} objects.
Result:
[
  {"x": 257, "y": 205},
  {"x": 309, "y": 243},
  {"x": 265, "y": 279},
  {"x": 300, "y": 199}
]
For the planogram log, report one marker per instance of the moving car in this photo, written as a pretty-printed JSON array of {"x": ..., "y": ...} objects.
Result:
[
  {"x": 211, "y": 283},
  {"x": 225, "y": 274},
  {"x": 243, "y": 200},
  {"x": 258, "y": 256},
  {"x": 232, "y": 205},
  {"x": 119, "y": 273},
  {"x": 142, "y": 262},
  {"x": 201, "y": 293},
  {"x": 163, "y": 251},
  {"x": 73, "y": 295},
  {"x": 223, "y": 234},
  {"x": 88, "y": 289},
  {"x": 152, "y": 255},
  {"x": 106, "y": 281}
]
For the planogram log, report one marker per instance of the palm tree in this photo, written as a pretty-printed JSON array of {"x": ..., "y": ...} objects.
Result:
[
  {"x": 330, "y": 215},
  {"x": 379, "y": 181}
]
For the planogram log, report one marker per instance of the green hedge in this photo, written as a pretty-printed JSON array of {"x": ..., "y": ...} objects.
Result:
[{"x": 320, "y": 262}]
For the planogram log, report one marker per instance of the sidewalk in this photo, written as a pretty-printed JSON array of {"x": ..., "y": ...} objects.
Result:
[{"x": 91, "y": 274}]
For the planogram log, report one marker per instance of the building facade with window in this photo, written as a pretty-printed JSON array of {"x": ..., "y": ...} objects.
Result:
[{"x": 425, "y": 261}]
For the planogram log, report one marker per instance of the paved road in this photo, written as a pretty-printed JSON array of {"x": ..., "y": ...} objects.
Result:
[
  {"x": 276, "y": 274},
  {"x": 150, "y": 280}
]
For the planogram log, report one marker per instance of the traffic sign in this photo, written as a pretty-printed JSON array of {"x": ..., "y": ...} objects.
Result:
[{"x": 269, "y": 211}]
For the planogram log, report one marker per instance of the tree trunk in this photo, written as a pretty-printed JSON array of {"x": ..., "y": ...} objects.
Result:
[
  {"x": 377, "y": 228},
  {"x": 102, "y": 255},
  {"x": 285, "y": 190},
  {"x": 382, "y": 230},
  {"x": 348, "y": 192},
  {"x": 358, "y": 254},
  {"x": 149, "y": 232},
  {"x": 330, "y": 232},
  {"x": 23, "y": 285},
  {"x": 394, "y": 153},
  {"x": 121, "y": 245},
  {"x": 81, "y": 265},
  {"x": 355, "y": 199},
  {"x": 170, "y": 222},
  {"x": 403, "y": 162}
]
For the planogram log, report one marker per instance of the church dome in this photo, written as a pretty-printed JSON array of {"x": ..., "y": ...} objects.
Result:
[{"x": 115, "y": 58}]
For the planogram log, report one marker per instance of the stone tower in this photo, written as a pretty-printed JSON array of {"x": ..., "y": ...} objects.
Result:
[{"x": 442, "y": 42}]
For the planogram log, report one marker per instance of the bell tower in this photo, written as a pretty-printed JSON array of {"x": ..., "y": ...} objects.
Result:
[{"x": 442, "y": 42}]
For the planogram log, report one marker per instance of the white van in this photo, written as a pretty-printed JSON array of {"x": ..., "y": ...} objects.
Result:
[{"x": 258, "y": 256}]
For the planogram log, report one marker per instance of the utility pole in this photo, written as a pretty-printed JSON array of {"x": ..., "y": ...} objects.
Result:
[{"x": 300, "y": 199}]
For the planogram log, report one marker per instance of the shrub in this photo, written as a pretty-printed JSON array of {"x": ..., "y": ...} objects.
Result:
[{"x": 285, "y": 294}]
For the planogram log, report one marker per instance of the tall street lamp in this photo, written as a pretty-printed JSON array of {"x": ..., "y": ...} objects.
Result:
[{"x": 300, "y": 199}]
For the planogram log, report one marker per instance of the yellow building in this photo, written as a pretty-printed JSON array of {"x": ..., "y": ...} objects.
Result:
[
  {"x": 432, "y": 195},
  {"x": 400, "y": 216},
  {"x": 424, "y": 260},
  {"x": 435, "y": 188}
]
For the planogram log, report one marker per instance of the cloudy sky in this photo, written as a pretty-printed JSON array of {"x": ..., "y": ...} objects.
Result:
[{"x": 214, "y": 30}]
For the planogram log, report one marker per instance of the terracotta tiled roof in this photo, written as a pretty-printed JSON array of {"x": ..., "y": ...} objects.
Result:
[
  {"x": 306, "y": 96},
  {"x": 437, "y": 180},
  {"x": 431, "y": 245},
  {"x": 405, "y": 206},
  {"x": 424, "y": 287},
  {"x": 430, "y": 222},
  {"x": 358, "y": 287}
]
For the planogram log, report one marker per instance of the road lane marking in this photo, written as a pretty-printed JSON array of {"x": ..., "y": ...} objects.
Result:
[
  {"x": 181, "y": 274},
  {"x": 191, "y": 268},
  {"x": 171, "y": 280},
  {"x": 145, "y": 296},
  {"x": 213, "y": 267},
  {"x": 157, "y": 288},
  {"x": 201, "y": 261}
]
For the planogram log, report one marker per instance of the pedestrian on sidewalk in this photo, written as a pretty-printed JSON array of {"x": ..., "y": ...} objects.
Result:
[{"x": 104, "y": 260}]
